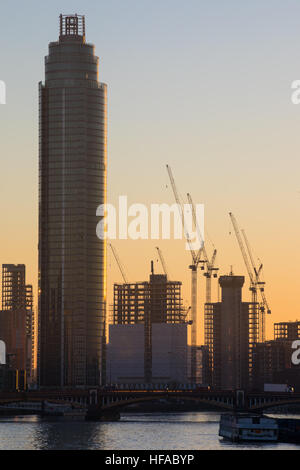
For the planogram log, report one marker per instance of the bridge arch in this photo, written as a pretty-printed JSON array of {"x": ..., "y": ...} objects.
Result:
[{"x": 224, "y": 404}]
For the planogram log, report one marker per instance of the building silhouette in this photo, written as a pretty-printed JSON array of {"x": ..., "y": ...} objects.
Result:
[
  {"x": 148, "y": 334},
  {"x": 231, "y": 330},
  {"x": 72, "y": 184},
  {"x": 272, "y": 360},
  {"x": 16, "y": 319},
  {"x": 289, "y": 331}
]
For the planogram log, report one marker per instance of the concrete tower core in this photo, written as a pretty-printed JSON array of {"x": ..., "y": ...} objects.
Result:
[
  {"x": 231, "y": 330},
  {"x": 72, "y": 184}
]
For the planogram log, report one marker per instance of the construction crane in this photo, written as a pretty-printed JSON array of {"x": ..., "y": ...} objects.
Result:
[
  {"x": 264, "y": 307},
  {"x": 253, "y": 273},
  {"x": 211, "y": 270},
  {"x": 244, "y": 254},
  {"x": 119, "y": 263},
  {"x": 196, "y": 260},
  {"x": 162, "y": 260}
]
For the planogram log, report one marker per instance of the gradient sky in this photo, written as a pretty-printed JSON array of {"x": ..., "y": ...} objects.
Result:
[{"x": 202, "y": 85}]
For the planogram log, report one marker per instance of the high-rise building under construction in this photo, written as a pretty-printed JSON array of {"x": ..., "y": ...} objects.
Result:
[
  {"x": 148, "y": 335},
  {"x": 72, "y": 184},
  {"x": 231, "y": 331}
]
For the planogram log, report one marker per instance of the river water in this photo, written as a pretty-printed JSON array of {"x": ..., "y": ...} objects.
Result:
[{"x": 148, "y": 431}]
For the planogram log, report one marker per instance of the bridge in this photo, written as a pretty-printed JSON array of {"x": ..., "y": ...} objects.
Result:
[
  {"x": 108, "y": 402},
  {"x": 224, "y": 400}
]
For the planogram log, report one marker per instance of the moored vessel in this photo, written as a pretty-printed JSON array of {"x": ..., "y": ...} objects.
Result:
[{"x": 239, "y": 427}]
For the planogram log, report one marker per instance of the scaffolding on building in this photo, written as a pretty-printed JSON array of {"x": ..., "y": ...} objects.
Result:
[
  {"x": 158, "y": 300},
  {"x": 212, "y": 334},
  {"x": 17, "y": 316},
  {"x": 255, "y": 327},
  {"x": 30, "y": 330},
  {"x": 13, "y": 287}
]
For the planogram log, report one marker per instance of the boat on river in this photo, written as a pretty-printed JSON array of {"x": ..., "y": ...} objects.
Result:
[{"x": 239, "y": 427}]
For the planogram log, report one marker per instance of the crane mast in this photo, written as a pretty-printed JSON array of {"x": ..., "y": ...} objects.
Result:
[
  {"x": 211, "y": 271},
  {"x": 257, "y": 272},
  {"x": 194, "y": 272},
  {"x": 210, "y": 264},
  {"x": 264, "y": 307},
  {"x": 254, "y": 275}
]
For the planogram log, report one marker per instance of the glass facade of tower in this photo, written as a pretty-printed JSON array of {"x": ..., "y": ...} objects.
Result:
[{"x": 72, "y": 184}]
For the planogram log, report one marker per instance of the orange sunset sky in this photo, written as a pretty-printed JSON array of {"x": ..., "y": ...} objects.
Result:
[{"x": 202, "y": 86}]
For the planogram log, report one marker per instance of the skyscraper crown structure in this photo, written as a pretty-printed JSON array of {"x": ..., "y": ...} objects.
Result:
[
  {"x": 72, "y": 184},
  {"x": 72, "y": 27}
]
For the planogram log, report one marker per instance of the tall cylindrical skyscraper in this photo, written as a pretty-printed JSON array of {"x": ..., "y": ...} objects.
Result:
[{"x": 72, "y": 184}]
